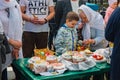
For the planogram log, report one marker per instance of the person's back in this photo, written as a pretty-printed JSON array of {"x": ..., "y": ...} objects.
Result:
[{"x": 112, "y": 34}]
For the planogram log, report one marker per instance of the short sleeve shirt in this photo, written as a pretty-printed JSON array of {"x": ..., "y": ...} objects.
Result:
[{"x": 38, "y": 8}]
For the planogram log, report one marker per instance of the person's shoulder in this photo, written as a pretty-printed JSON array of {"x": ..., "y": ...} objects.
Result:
[
  {"x": 116, "y": 12},
  {"x": 62, "y": 28},
  {"x": 118, "y": 9}
]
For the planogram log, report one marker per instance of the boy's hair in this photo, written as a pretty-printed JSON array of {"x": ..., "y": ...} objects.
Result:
[{"x": 72, "y": 16}]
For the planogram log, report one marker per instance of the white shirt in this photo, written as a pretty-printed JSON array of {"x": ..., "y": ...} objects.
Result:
[
  {"x": 38, "y": 8},
  {"x": 75, "y": 5},
  {"x": 18, "y": 31},
  {"x": 1, "y": 28},
  {"x": 4, "y": 21}
]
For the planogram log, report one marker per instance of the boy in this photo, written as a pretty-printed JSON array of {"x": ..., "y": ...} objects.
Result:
[{"x": 66, "y": 37}]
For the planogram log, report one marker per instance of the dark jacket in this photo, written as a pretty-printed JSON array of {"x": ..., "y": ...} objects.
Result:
[
  {"x": 112, "y": 33},
  {"x": 61, "y": 10}
]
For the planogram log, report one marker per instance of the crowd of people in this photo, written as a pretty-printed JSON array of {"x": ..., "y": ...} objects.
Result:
[{"x": 25, "y": 26}]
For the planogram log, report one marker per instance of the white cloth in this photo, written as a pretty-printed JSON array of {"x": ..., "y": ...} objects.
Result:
[
  {"x": 1, "y": 28},
  {"x": 40, "y": 8},
  {"x": 95, "y": 20},
  {"x": 12, "y": 25},
  {"x": 111, "y": 1},
  {"x": 75, "y": 5}
]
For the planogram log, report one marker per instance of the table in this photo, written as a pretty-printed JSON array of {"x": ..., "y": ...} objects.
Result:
[{"x": 26, "y": 74}]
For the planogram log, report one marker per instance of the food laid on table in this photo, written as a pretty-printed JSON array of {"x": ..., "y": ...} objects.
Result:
[
  {"x": 46, "y": 63},
  {"x": 75, "y": 60},
  {"x": 81, "y": 46},
  {"x": 98, "y": 57},
  {"x": 51, "y": 59},
  {"x": 43, "y": 53},
  {"x": 77, "y": 57},
  {"x": 88, "y": 52},
  {"x": 37, "y": 65}
]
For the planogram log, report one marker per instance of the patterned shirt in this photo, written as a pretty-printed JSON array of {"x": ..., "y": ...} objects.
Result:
[{"x": 66, "y": 40}]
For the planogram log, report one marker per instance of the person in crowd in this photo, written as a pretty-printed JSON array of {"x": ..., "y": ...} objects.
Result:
[
  {"x": 93, "y": 26},
  {"x": 52, "y": 24},
  {"x": 112, "y": 33},
  {"x": 109, "y": 10},
  {"x": 11, "y": 19},
  {"x": 62, "y": 8},
  {"x": 110, "y": 2},
  {"x": 1, "y": 49},
  {"x": 108, "y": 13},
  {"x": 4, "y": 50},
  {"x": 1, "y": 42},
  {"x": 66, "y": 37},
  {"x": 35, "y": 14}
]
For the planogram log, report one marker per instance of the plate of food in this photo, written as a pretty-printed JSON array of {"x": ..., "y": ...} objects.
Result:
[
  {"x": 98, "y": 57},
  {"x": 88, "y": 52}
]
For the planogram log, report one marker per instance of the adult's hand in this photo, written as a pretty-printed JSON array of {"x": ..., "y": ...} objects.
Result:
[
  {"x": 88, "y": 41},
  {"x": 15, "y": 53},
  {"x": 15, "y": 43}
]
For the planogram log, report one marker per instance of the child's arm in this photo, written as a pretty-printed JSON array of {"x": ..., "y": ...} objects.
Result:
[{"x": 59, "y": 43}]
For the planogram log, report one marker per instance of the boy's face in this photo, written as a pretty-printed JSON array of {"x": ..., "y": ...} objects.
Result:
[{"x": 71, "y": 24}]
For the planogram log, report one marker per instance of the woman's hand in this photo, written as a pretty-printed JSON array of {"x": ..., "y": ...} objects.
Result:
[{"x": 88, "y": 41}]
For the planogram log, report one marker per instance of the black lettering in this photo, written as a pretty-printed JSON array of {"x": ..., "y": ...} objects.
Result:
[
  {"x": 35, "y": 3},
  {"x": 41, "y": 3},
  {"x": 34, "y": 9},
  {"x": 37, "y": 10},
  {"x": 43, "y": 10},
  {"x": 45, "y": 3},
  {"x": 30, "y": 4},
  {"x": 30, "y": 10}
]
